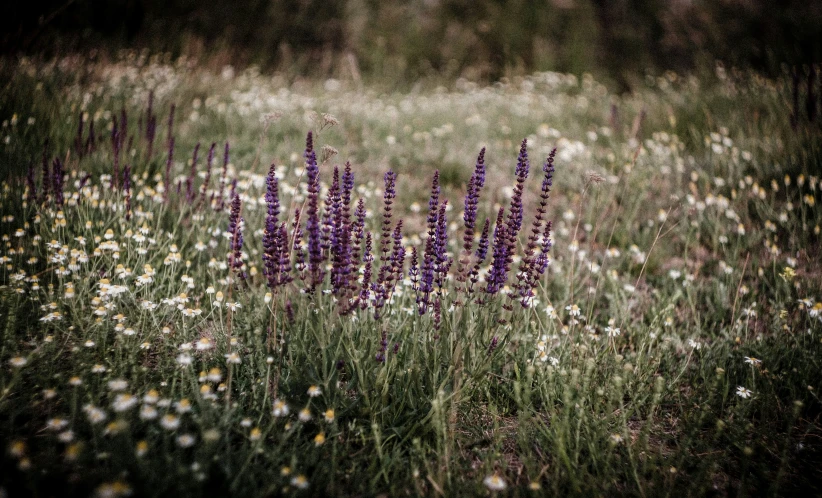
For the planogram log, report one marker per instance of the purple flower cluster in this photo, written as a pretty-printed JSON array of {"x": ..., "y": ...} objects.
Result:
[
  {"x": 235, "y": 228},
  {"x": 339, "y": 238},
  {"x": 276, "y": 253},
  {"x": 312, "y": 226},
  {"x": 429, "y": 256},
  {"x": 506, "y": 234},
  {"x": 335, "y": 236},
  {"x": 533, "y": 265}
]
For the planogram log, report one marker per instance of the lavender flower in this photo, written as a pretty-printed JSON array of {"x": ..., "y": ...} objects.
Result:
[
  {"x": 397, "y": 253},
  {"x": 499, "y": 266},
  {"x": 385, "y": 283},
  {"x": 315, "y": 253},
  {"x": 530, "y": 266},
  {"x": 380, "y": 356},
  {"x": 284, "y": 271},
  {"x": 297, "y": 244},
  {"x": 332, "y": 204},
  {"x": 358, "y": 229},
  {"x": 271, "y": 242},
  {"x": 272, "y": 198},
  {"x": 515, "y": 213},
  {"x": 442, "y": 261},
  {"x": 480, "y": 255},
  {"x": 366, "y": 277},
  {"x": 389, "y": 193},
  {"x": 235, "y": 228},
  {"x": 469, "y": 216},
  {"x": 475, "y": 184},
  {"x": 341, "y": 236},
  {"x": 429, "y": 257},
  {"x": 542, "y": 261},
  {"x": 414, "y": 270},
  {"x": 505, "y": 236}
]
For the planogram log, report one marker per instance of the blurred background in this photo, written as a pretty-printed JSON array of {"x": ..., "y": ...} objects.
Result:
[{"x": 401, "y": 40}]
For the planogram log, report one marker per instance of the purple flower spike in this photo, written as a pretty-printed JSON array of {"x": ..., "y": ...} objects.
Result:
[
  {"x": 414, "y": 270},
  {"x": 443, "y": 262},
  {"x": 358, "y": 230},
  {"x": 388, "y": 199},
  {"x": 380, "y": 356},
  {"x": 284, "y": 270},
  {"x": 532, "y": 266},
  {"x": 499, "y": 268},
  {"x": 398, "y": 253},
  {"x": 515, "y": 214},
  {"x": 330, "y": 214},
  {"x": 367, "y": 259},
  {"x": 475, "y": 184},
  {"x": 315, "y": 253},
  {"x": 480, "y": 255},
  {"x": 272, "y": 241},
  {"x": 342, "y": 249},
  {"x": 298, "y": 244},
  {"x": 235, "y": 228},
  {"x": 272, "y": 197},
  {"x": 429, "y": 257}
]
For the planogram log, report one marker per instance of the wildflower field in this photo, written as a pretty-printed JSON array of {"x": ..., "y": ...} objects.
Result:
[{"x": 220, "y": 282}]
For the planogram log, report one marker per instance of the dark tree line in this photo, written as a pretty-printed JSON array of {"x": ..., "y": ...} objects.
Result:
[{"x": 482, "y": 39}]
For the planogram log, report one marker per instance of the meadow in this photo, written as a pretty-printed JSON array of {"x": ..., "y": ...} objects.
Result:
[{"x": 223, "y": 282}]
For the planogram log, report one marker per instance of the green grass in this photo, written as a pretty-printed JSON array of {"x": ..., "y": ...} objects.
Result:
[{"x": 693, "y": 230}]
